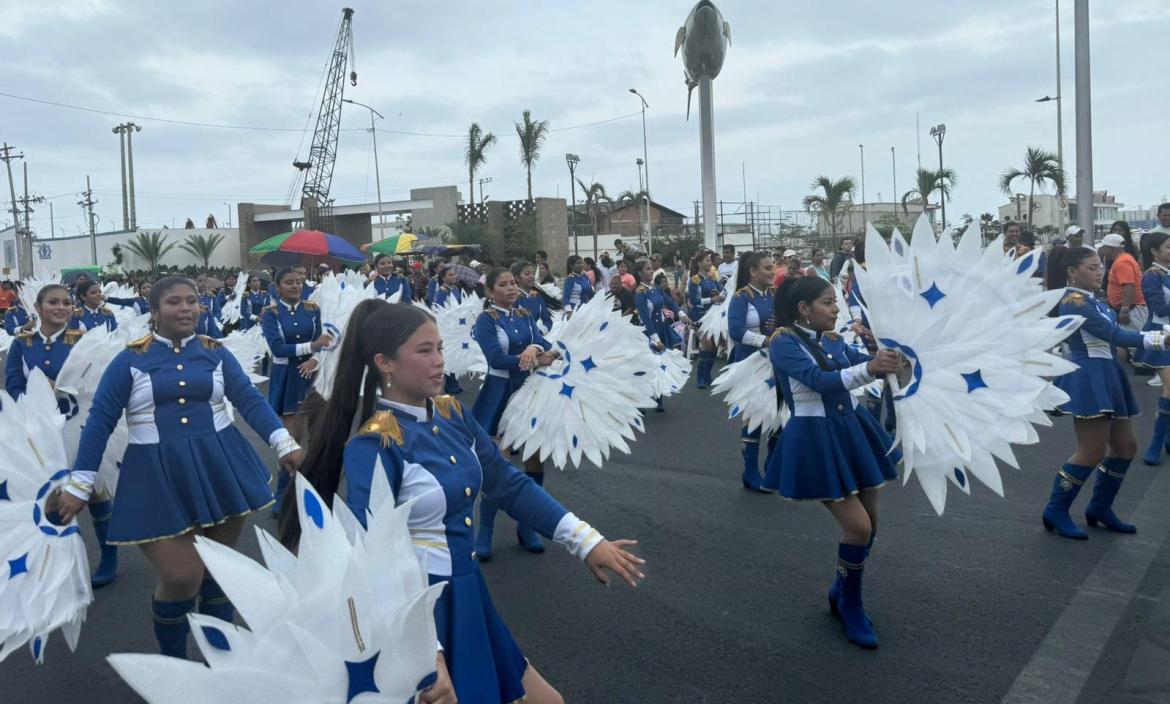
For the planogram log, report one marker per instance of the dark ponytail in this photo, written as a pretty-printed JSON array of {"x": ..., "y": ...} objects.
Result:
[
  {"x": 1061, "y": 259},
  {"x": 747, "y": 262},
  {"x": 375, "y": 326},
  {"x": 785, "y": 309},
  {"x": 1151, "y": 241}
]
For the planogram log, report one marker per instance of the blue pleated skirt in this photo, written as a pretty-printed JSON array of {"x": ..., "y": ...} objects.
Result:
[
  {"x": 485, "y": 664},
  {"x": 287, "y": 388},
  {"x": 830, "y": 458},
  {"x": 172, "y": 487},
  {"x": 492, "y": 400},
  {"x": 1098, "y": 388}
]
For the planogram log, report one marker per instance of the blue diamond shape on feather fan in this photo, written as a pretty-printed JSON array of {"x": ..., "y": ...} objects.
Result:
[
  {"x": 961, "y": 477},
  {"x": 361, "y": 677},
  {"x": 974, "y": 381},
  {"x": 662, "y": 367},
  {"x": 466, "y": 345},
  {"x": 463, "y": 321},
  {"x": 588, "y": 364},
  {"x": 4, "y": 491},
  {"x": 933, "y": 295},
  {"x": 313, "y": 509},
  {"x": 566, "y": 390},
  {"x": 18, "y": 566},
  {"x": 771, "y": 382},
  {"x": 216, "y": 638}
]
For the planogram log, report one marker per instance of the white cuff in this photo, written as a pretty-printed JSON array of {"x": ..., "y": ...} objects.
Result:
[
  {"x": 577, "y": 535},
  {"x": 1154, "y": 340},
  {"x": 754, "y": 339},
  {"x": 81, "y": 484},
  {"x": 654, "y": 338},
  {"x": 304, "y": 349},
  {"x": 282, "y": 442},
  {"x": 704, "y": 301},
  {"x": 855, "y": 376}
]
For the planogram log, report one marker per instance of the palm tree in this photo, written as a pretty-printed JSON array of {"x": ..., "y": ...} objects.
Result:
[
  {"x": 151, "y": 247},
  {"x": 926, "y": 182},
  {"x": 828, "y": 203},
  {"x": 202, "y": 246},
  {"x": 594, "y": 195},
  {"x": 478, "y": 142},
  {"x": 1040, "y": 167},
  {"x": 532, "y": 136}
]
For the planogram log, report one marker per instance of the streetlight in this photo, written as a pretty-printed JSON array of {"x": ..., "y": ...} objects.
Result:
[
  {"x": 646, "y": 160},
  {"x": 572, "y": 160},
  {"x": 864, "y": 213},
  {"x": 938, "y": 132},
  {"x": 641, "y": 187},
  {"x": 377, "y": 173},
  {"x": 481, "y": 182},
  {"x": 229, "y": 213},
  {"x": 1059, "y": 121}
]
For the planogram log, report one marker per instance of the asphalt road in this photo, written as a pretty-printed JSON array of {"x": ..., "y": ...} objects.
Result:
[{"x": 969, "y": 607}]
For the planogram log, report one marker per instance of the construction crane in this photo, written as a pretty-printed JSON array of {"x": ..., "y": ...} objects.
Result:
[{"x": 318, "y": 169}]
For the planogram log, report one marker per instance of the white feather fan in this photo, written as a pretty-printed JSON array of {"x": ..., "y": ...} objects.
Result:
[{"x": 456, "y": 321}]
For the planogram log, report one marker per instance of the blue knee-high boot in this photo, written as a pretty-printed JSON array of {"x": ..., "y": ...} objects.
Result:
[
  {"x": 171, "y": 627},
  {"x": 282, "y": 482},
  {"x": 751, "y": 459},
  {"x": 100, "y": 513},
  {"x": 1161, "y": 434},
  {"x": 1065, "y": 488},
  {"x": 1100, "y": 509},
  {"x": 487, "y": 521},
  {"x": 529, "y": 538},
  {"x": 706, "y": 362},
  {"x": 213, "y": 602},
  {"x": 835, "y": 590},
  {"x": 850, "y": 607}
]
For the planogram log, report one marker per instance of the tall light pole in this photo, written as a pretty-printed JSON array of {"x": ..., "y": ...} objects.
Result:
[
  {"x": 641, "y": 188},
  {"x": 1059, "y": 120},
  {"x": 864, "y": 211},
  {"x": 646, "y": 160},
  {"x": 938, "y": 132},
  {"x": 377, "y": 173},
  {"x": 127, "y": 130},
  {"x": 1084, "y": 122},
  {"x": 228, "y": 207},
  {"x": 120, "y": 130},
  {"x": 894, "y": 175},
  {"x": 572, "y": 160}
]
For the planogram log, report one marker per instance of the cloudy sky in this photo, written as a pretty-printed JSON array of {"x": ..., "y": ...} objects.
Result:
[{"x": 803, "y": 85}]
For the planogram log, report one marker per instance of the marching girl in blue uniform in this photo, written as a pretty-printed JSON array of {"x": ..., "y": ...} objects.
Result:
[
  {"x": 15, "y": 319},
  {"x": 207, "y": 324},
  {"x": 652, "y": 302},
  {"x": 832, "y": 450},
  {"x": 749, "y": 323},
  {"x": 206, "y": 294},
  {"x": 187, "y": 470},
  {"x": 140, "y": 303},
  {"x": 1156, "y": 289},
  {"x": 227, "y": 293},
  {"x": 387, "y": 282},
  {"x": 46, "y": 348},
  {"x": 91, "y": 314},
  {"x": 539, "y": 304},
  {"x": 447, "y": 289},
  {"x": 436, "y": 453},
  {"x": 702, "y": 291},
  {"x": 577, "y": 289},
  {"x": 256, "y": 299},
  {"x": 1100, "y": 399},
  {"x": 292, "y": 328},
  {"x": 513, "y": 347}
]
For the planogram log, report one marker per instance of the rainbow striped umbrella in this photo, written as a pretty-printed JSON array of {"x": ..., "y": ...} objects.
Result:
[{"x": 308, "y": 247}]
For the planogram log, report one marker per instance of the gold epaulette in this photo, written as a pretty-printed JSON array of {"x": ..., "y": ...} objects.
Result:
[
  {"x": 273, "y": 307},
  {"x": 26, "y": 332},
  {"x": 142, "y": 344},
  {"x": 521, "y": 311},
  {"x": 310, "y": 305},
  {"x": 78, "y": 312},
  {"x": 643, "y": 287},
  {"x": 1075, "y": 298},
  {"x": 104, "y": 310},
  {"x": 781, "y": 331},
  {"x": 445, "y": 404},
  {"x": 493, "y": 313},
  {"x": 72, "y": 335},
  {"x": 696, "y": 279},
  {"x": 209, "y": 343},
  {"x": 28, "y": 326},
  {"x": 746, "y": 291},
  {"x": 384, "y": 425},
  {"x": 203, "y": 308}
]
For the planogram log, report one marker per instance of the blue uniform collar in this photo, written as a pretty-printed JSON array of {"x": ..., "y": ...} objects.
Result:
[
  {"x": 418, "y": 413},
  {"x": 50, "y": 339},
  {"x": 169, "y": 343},
  {"x": 759, "y": 291},
  {"x": 91, "y": 311},
  {"x": 1088, "y": 293},
  {"x": 505, "y": 311},
  {"x": 1164, "y": 269},
  {"x": 292, "y": 307},
  {"x": 814, "y": 335}
]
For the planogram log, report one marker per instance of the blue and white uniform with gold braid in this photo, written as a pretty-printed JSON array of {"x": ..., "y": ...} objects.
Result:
[
  {"x": 701, "y": 289},
  {"x": 186, "y": 465},
  {"x": 15, "y": 319},
  {"x": 32, "y": 349},
  {"x": 748, "y": 316},
  {"x": 138, "y": 303},
  {"x": 1100, "y": 387},
  {"x": 290, "y": 331},
  {"x": 577, "y": 291},
  {"x": 534, "y": 302},
  {"x": 652, "y": 303},
  {"x": 443, "y": 458},
  {"x": 387, "y": 286},
  {"x": 207, "y": 324},
  {"x": 1156, "y": 289},
  {"x": 252, "y": 305},
  {"x": 503, "y": 334},
  {"x": 89, "y": 319}
]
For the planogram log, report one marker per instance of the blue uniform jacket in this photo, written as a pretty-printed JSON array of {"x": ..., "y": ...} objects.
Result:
[
  {"x": 138, "y": 303},
  {"x": 700, "y": 291},
  {"x": 290, "y": 331},
  {"x": 252, "y": 306},
  {"x": 85, "y": 319},
  {"x": 1156, "y": 289},
  {"x": 503, "y": 334},
  {"x": 748, "y": 314},
  {"x": 32, "y": 350},
  {"x": 652, "y": 302},
  {"x": 1099, "y": 333},
  {"x": 207, "y": 324},
  {"x": 443, "y": 457},
  {"x": 387, "y": 286},
  {"x": 442, "y": 293},
  {"x": 535, "y": 304},
  {"x": 809, "y": 390},
  {"x": 577, "y": 290},
  {"x": 15, "y": 319},
  {"x": 432, "y": 290}
]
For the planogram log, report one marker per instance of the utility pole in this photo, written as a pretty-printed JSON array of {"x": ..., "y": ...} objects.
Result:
[
  {"x": 481, "y": 182},
  {"x": 894, "y": 174},
  {"x": 120, "y": 130},
  {"x": 87, "y": 202},
  {"x": 24, "y": 268},
  {"x": 26, "y": 238},
  {"x": 130, "y": 128},
  {"x": 1084, "y": 123},
  {"x": 864, "y": 210},
  {"x": 572, "y": 160},
  {"x": 52, "y": 229}
]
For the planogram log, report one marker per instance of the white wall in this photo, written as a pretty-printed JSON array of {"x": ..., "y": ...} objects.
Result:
[{"x": 65, "y": 252}]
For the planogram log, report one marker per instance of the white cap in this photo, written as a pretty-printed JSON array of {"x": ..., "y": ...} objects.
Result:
[
  {"x": 473, "y": 263},
  {"x": 1112, "y": 240},
  {"x": 789, "y": 253},
  {"x": 1074, "y": 230}
]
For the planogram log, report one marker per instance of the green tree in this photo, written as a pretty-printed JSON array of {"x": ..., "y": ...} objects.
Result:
[
  {"x": 926, "y": 182},
  {"x": 202, "y": 246},
  {"x": 532, "y": 135},
  {"x": 594, "y": 195},
  {"x": 475, "y": 155},
  {"x": 1040, "y": 167},
  {"x": 832, "y": 203},
  {"x": 472, "y": 233},
  {"x": 520, "y": 238},
  {"x": 151, "y": 247},
  {"x": 886, "y": 224}
]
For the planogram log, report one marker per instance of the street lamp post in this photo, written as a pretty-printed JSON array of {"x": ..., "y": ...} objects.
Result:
[
  {"x": 646, "y": 160},
  {"x": 864, "y": 211},
  {"x": 228, "y": 207},
  {"x": 120, "y": 130},
  {"x": 572, "y": 160},
  {"x": 938, "y": 132},
  {"x": 894, "y": 174},
  {"x": 1059, "y": 119},
  {"x": 377, "y": 173}
]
